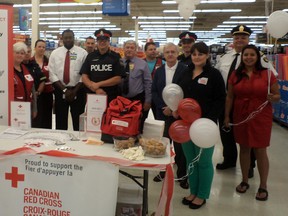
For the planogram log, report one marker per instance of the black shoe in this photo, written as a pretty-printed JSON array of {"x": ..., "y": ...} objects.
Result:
[
  {"x": 251, "y": 173},
  {"x": 159, "y": 177},
  {"x": 224, "y": 166},
  {"x": 184, "y": 184},
  {"x": 186, "y": 201},
  {"x": 195, "y": 206}
]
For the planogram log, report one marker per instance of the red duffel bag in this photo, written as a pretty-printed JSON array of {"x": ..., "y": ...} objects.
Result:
[{"x": 122, "y": 117}]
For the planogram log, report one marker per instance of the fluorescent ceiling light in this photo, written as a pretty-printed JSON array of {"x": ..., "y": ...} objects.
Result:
[
  {"x": 88, "y": 29},
  {"x": 82, "y": 26},
  {"x": 58, "y": 4},
  {"x": 232, "y": 26},
  {"x": 69, "y": 18},
  {"x": 66, "y": 23},
  {"x": 249, "y": 17},
  {"x": 142, "y": 31},
  {"x": 244, "y": 22},
  {"x": 214, "y": 1},
  {"x": 69, "y": 12},
  {"x": 226, "y": 1},
  {"x": 165, "y": 26},
  {"x": 167, "y": 29},
  {"x": 160, "y": 17},
  {"x": 207, "y": 11},
  {"x": 167, "y": 22}
]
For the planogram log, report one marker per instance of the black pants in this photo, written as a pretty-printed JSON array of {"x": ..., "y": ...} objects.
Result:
[
  {"x": 228, "y": 142},
  {"x": 141, "y": 97},
  {"x": 180, "y": 158},
  {"x": 62, "y": 106},
  {"x": 44, "y": 111}
]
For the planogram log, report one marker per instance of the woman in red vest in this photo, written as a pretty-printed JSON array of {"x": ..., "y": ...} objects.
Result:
[{"x": 23, "y": 80}]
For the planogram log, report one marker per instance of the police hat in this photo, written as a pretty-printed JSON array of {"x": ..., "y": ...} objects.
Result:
[
  {"x": 188, "y": 36},
  {"x": 103, "y": 34},
  {"x": 241, "y": 29}
]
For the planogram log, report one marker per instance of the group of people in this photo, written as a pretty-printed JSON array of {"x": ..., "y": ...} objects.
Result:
[{"x": 72, "y": 72}]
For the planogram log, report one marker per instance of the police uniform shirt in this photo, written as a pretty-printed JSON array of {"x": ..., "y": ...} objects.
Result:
[
  {"x": 225, "y": 61},
  {"x": 56, "y": 64},
  {"x": 102, "y": 67},
  {"x": 185, "y": 60}
]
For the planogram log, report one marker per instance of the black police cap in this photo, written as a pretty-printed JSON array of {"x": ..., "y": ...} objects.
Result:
[
  {"x": 188, "y": 36},
  {"x": 241, "y": 29},
  {"x": 103, "y": 34}
]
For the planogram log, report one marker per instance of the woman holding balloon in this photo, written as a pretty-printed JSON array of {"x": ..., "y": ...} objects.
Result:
[
  {"x": 204, "y": 84},
  {"x": 252, "y": 88}
]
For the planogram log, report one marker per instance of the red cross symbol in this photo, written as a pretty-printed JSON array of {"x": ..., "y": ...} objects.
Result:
[{"x": 14, "y": 177}]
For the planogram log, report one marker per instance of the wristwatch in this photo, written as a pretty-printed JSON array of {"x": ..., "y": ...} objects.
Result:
[{"x": 64, "y": 90}]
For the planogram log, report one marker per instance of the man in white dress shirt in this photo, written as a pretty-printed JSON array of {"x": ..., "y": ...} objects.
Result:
[
  {"x": 226, "y": 64},
  {"x": 64, "y": 66}
]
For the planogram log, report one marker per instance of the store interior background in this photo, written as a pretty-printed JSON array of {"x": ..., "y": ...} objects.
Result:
[{"x": 213, "y": 28}]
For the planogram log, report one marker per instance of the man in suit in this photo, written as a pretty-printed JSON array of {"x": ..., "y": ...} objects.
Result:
[{"x": 169, "y": 73}]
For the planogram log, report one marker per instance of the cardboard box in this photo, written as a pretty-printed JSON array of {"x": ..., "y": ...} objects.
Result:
[{"x": 129, "y": 200}]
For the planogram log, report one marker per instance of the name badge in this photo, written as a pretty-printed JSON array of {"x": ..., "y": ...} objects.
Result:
[
  {"x": 203, "y": 80},
  {"x": 73, "y": 56},
  {"x": 29, "y": 78}
]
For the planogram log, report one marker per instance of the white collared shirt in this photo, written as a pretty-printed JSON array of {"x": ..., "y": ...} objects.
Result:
[
  {"x": 169, "y": 72},
  {"x": 56, "y": 64}
]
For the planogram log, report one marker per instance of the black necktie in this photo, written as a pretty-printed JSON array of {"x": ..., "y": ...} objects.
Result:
[
  {"x": 233, "y": 65},
  {"x": 126, "y": 80}
]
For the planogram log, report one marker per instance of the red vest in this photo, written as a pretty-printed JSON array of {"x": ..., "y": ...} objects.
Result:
[{"x": 20, "y": 94}]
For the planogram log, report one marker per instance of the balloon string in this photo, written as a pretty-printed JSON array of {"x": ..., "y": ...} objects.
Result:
[
  {"x": 251, "y": 115},
  {"x": 190, "y": 167}
]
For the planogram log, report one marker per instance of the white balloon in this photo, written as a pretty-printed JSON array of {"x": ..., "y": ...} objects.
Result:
[
  {"x": 171, "y": 95},
  {"x": 186, "y": 9},
  {"x": 204, "y": 133},
  {"x": 277, "y": 24}
]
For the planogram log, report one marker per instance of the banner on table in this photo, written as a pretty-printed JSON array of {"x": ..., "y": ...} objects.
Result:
[{"x": 44, "y": 185}]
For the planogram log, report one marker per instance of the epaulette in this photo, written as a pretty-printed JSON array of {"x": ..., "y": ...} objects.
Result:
[{"x": 264, "y": 57}]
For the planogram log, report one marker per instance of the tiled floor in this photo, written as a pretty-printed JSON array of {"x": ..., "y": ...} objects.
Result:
[{"x": 224, "y": 200}]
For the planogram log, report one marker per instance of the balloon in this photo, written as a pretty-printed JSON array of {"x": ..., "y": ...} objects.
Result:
[
  {"x": 186, "y": 9},
  {"x": 179, "y": 131},
  {"x": 189, "y": 110},
  {"x": 204, "y": 133},
  {"x": 172, "y": 94},
  {"x": 277, "y": 24}
]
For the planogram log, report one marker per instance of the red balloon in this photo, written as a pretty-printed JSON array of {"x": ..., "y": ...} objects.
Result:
[
  {"x": 179, "y": 131},
  {"x": 189, "y": 110}
]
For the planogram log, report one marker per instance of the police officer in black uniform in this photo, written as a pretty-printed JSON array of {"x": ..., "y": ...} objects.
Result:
[
  {"x": 102, "y": 69},
  {"x": 187, "y": 39}
]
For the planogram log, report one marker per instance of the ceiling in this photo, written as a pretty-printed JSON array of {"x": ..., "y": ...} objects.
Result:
[{"x": 204, "y": 21}]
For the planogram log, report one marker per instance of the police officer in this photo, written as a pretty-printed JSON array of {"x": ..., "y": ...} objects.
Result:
[
  {"x": 102, "y": 70},
  {"x": 226, "y": 64},
  {"x": 187, "y": 39}
]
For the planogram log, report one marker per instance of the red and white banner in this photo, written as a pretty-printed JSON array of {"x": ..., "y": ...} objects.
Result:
[
  {"x": 56, "y": 186},
  {"x": 6, "y": 61}
]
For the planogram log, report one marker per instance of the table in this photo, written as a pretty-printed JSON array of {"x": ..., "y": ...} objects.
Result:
[{"x": 79, "y": 150}]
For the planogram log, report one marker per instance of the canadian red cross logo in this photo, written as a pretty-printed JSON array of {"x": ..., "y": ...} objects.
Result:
[{"x": 14, "y": 177}]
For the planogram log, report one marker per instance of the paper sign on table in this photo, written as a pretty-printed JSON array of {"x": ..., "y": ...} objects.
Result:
[
  {"x": 96, "y": 106},
  {"x": 21, "y": 114}
]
